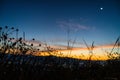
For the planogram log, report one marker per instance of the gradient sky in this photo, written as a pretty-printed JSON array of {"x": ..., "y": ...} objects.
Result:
[{"x": 48, "y": 20}]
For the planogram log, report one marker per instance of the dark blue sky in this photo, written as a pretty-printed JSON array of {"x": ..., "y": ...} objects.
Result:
[{"x": 48, "y": 20}]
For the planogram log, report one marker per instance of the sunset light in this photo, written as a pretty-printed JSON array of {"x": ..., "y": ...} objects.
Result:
[{"x": 59, "y": 39}]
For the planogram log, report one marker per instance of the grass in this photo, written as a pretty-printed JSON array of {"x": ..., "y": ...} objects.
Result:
[{"x": 17, "y": 62}]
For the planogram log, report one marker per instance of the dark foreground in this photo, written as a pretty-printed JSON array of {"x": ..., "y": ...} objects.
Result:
[{"x": 22, "y": 67}]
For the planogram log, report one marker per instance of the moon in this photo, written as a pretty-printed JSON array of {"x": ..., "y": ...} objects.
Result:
[{"x": 101, "y": 8}]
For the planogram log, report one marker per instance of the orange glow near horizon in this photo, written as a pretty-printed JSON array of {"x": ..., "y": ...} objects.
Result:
[
  {"x": 99, "y": 53},
  {"x": 84, "y": 54}
]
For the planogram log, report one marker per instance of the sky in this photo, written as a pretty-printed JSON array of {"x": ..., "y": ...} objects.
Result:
[{"x": 50, "y": 21}]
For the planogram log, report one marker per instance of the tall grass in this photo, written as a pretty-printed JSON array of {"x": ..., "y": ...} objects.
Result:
[
  {"x": 115, "y": 55},
  {"x": 23, "y": 67},
  {"x": 14, "y": 45}
]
